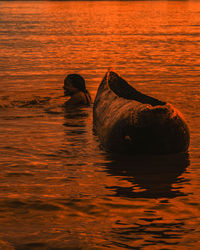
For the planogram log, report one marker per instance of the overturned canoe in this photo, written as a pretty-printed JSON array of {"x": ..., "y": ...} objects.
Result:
[{"x": 126, "y": 120}]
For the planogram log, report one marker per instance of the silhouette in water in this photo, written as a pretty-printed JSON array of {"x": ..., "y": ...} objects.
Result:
[
  {"x": 153, "y": 174},
  {"x": 74, "y": 86},
  {"x": 127, "y": 120}
]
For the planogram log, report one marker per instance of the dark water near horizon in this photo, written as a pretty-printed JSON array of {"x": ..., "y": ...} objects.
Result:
[{"x": 59, "y": 189}]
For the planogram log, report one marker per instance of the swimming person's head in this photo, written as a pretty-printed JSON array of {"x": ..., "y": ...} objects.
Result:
[
  {"x": 74, "y": 83},
  {"x": 74, "y": 86}
]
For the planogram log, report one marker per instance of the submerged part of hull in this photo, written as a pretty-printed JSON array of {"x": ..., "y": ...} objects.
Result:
[{"x": 126, "y": 120}]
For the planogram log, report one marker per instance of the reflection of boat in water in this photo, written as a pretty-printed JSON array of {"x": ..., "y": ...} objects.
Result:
[
  {"x": 128, "y": 121},
  {"x": 150, "y": 176}
]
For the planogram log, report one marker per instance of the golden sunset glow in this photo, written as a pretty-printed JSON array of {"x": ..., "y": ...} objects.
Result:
[{"x": 61, "y": 188}]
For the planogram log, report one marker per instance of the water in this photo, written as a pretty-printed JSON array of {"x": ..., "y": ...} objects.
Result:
[{"x": 59, "y": 189}]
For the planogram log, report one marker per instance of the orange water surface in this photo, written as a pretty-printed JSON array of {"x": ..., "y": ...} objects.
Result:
[{"x": 59, "y": 188}]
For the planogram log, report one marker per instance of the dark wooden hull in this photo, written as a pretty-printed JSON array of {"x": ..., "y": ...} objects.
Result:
[{"x": 126, "y": 120}]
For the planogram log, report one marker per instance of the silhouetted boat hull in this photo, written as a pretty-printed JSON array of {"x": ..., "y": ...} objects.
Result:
[{"x": 128, "y": 121}]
